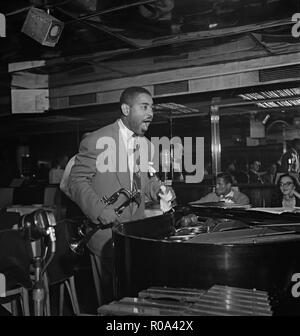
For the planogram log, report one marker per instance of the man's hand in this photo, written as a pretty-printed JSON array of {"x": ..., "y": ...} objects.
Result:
[
  {"x": 108, "y": 215},
  {"x": 296, "y": 194},
  {"x": 166, "y": 192},
  {"x": 167, "y": 196},
  {"x": 229, "y": 199}
]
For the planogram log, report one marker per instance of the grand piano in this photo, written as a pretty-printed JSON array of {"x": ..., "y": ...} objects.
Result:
[{"x": 199, "y": 246}]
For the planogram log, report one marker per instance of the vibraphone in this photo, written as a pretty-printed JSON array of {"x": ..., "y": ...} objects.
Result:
[{"x": 218, "y": 300}]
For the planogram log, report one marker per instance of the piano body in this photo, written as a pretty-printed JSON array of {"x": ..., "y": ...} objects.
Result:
[{"x": 199, "y": 247}]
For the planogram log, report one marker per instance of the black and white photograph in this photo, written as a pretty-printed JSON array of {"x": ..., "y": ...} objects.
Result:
[{"x": 149, "y": 160}]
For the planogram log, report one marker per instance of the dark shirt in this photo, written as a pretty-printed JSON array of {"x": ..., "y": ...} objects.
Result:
[{"x": 255, "y": 178}]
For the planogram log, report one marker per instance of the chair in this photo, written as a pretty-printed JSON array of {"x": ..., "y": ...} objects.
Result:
[
  {"x": 69, "y": 283},
  {"x": 15, "y": 282},
  {"x": 10, "y": 297},
  {"x": 60, "y": 271},
  {"x": 96, "y": 269},
  {"x": 53, "y": 199},
  {"x": 6, "y": 197},
  {"x": 103, "y": 278},
  {"x": 51, "y": 195},
  {"x": 57, "y": 276}
]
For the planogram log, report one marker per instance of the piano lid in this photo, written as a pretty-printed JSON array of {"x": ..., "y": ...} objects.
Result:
[{"x": 222, "y": 205}]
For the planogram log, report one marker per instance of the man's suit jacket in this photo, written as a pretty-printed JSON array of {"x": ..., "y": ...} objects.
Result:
[{"x": 88, "y": 185}]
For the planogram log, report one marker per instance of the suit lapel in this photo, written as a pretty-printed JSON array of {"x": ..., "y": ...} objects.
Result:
[{"x": 122, "y": 172}]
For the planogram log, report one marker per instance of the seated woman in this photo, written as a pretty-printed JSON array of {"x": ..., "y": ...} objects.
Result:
[
  {"x": 289, "y": 196},
  {"x": 225, "y": 192}
]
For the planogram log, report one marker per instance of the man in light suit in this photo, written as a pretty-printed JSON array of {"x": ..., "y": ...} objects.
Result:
[{"x": 104, "y": 164}]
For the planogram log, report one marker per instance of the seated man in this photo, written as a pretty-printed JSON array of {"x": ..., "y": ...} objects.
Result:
[{"x": 224, "y": 192}]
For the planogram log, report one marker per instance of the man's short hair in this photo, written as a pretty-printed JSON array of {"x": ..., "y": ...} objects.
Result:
[
  {"x": 226, "y": 177},
  {"x": 130, "y": 93}
]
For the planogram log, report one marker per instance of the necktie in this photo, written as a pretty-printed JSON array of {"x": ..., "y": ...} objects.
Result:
[{"x": 136, "y": 177}]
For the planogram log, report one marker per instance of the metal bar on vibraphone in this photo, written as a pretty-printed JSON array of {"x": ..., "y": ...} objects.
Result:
[
  {"x": 236, "y": 300},
  {"x": 181, "y": 294},
  {"x": 209, "y": 311},
  {"x": 237, "y": 290},
  {"x": 167, "y": 305},
  {"x": 239, "y": 298},
  {"x": 127, "y": 308},
  {"x": 230, "y": 309},
  {"x": 227, "y": 292},
  {"x": 232, "y": 304},
  {"x": 247, "y": 297},
  {"x": 157, "y": 303}
]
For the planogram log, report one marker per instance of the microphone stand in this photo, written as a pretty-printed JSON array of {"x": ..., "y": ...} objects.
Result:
[
  {"x": 36, "y": 226},
  {"x": 40, "y": 290}
]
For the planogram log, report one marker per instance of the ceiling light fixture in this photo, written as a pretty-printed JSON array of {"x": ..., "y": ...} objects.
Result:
[{"x": 274, "y": 98}]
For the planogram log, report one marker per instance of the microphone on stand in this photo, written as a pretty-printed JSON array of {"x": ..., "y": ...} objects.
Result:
[
  {"x": 166, "y": 163},
  {"x": 37, "y": 226}
]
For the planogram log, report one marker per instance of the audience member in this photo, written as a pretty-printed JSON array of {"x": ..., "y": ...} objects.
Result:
[
  {"x": 270, "y": 176},
  {"x": 57, "y": 171},
  {"x": 224, "y": 192},
  {"x": 255, "y": 176},
  {"x": 289, "y": 195},
  {"x": 231, "y": 170}
]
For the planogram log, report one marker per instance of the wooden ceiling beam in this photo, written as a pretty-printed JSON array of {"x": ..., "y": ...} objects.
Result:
[
  {"x": 110, "y": 10},
  {"x": 102, "y": 28}
]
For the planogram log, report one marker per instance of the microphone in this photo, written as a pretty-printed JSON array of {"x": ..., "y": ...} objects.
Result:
[
  {"x": 35, "y": 226},
  {"x": 166, "y": 161},
  {"x": 39, "y": 224}
]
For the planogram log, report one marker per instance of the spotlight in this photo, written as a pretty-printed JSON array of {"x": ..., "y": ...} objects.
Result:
[{"x": 42, "y": 27}]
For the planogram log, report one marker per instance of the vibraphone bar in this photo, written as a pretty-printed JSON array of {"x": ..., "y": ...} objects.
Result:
[{"x": 218, "y": 300}]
